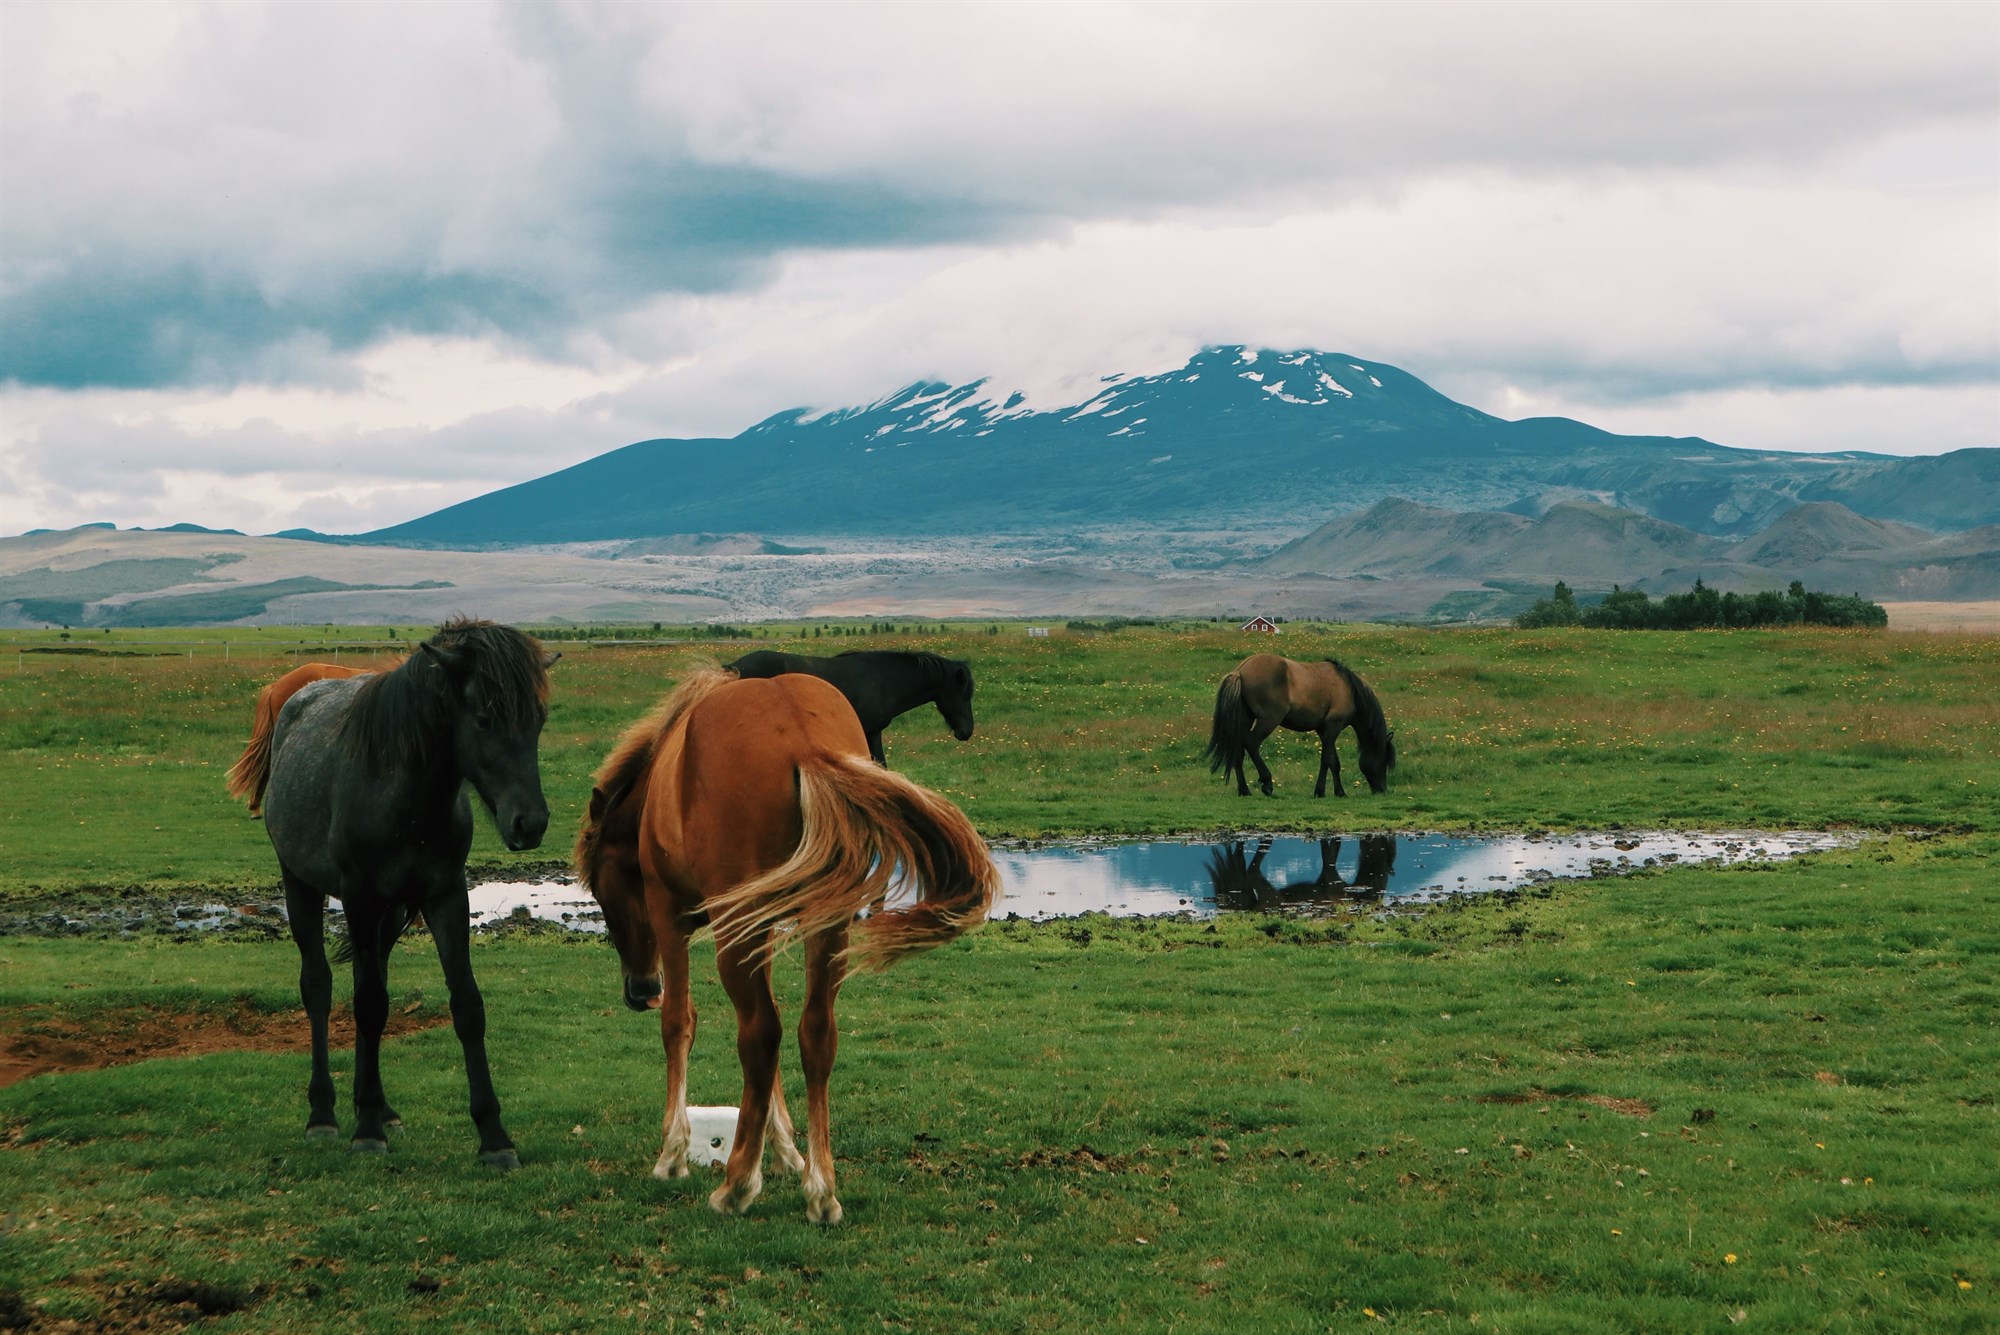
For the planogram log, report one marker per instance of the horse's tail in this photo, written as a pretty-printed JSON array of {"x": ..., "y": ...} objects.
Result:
[
  {"x": 252, "y": 770},
  {"x": 251, "y": 773},
  {"x": 1230, "y": 733},
  {"x": 1371, "y": 727},
  {"x": 399, "y": 920},
  {"x": 861, "y": 822}
]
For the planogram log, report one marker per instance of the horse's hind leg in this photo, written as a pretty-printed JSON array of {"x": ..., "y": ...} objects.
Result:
[
  {"x": 757, "y": 1035},
  {"x": 450, "y": 918},
  {"x": 371, "y": 1017},
  {"x": 1253, "y": 747},
  {"x": 780, "y": 1137},
  {"x": 677, "y": 1021},
  {"x": 307, "y": 910},
  {"x": 818, "y": 1040}
]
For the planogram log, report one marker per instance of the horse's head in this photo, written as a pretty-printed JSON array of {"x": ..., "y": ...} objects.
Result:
[
  {"x": 497, "y": 680},
  {"x": 607, "y": 860},
  {"x": 954, "y": 698},
  {"x": 1377, "y": 761}
]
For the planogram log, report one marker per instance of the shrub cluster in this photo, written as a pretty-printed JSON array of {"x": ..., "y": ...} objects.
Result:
[{"x": 1702, "y": 608}]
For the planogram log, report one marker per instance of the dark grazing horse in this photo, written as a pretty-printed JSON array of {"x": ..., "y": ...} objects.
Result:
[
  {"x": 365, "y": 801},
  {"x": 749, "y": 806},
  {"x": 880, "y": 684},
  {"x": 1267, "y": 692}
]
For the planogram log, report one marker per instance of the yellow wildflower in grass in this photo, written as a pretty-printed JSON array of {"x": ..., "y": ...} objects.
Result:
[{"x": 1730, "y": 1259}]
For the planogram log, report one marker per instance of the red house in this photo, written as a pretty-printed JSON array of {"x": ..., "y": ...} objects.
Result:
[{"x": 1260, "y": 626}]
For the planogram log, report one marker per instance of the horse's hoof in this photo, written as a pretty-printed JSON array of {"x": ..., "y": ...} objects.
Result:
[
  {"x": 826, "y": 1211},
  {"x": 368, "y": 1146},
  {"x": 327, "y": 1132},
  {"x": 727, "y": 1200},
  {"x": 668, "y": 1172},
  {"x": 502, "y": 1159}
]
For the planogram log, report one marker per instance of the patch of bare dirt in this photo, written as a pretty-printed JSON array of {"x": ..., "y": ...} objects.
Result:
[
  {"x": 157, "y": 1305},
  {"x": 1623, "y": 1107},
  {"x": 34, "y": 1042}
]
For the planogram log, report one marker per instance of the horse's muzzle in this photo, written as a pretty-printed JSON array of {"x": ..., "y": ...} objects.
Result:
[
  {"x": 524, "y": 830},
  {"x": 642, "y": 994},
  {"x": 963, "y": 734}
]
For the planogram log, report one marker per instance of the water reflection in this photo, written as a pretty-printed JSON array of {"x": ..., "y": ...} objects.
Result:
[
  {"x": 1269, "y": 873},
  {"x": 1237, "y": 879}
]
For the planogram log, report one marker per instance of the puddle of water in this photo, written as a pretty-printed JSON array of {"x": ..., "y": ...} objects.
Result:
[
  {"x": 1270, "y": 873},
  {"x": 1146, "y": 878}
]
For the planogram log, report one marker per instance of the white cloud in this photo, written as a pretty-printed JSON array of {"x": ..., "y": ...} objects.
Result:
[{"x": 337, "y": 266}]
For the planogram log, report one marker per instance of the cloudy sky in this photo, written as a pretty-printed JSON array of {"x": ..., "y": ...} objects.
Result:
[{"x": 337, "y": 265}]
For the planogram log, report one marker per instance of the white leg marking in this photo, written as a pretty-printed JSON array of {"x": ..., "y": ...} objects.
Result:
[
  {"x": 821, "y": 1207},
  {"x": 674, "y": 1134},
  {"x": 779, "y": 1136},
  {"x": 723, "y": 1200}
]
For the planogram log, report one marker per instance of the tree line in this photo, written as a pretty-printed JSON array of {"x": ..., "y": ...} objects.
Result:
[{"x": 1702, "y": 608}]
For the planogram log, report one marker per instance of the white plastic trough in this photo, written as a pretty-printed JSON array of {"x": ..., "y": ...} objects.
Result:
[{"x": 711, "y": 1131}]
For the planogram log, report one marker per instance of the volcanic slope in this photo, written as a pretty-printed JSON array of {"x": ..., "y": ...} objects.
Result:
[{"x": 1235, "y": 439}]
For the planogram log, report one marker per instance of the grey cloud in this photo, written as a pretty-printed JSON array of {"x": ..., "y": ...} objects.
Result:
[{"x": 205, "y": 237}]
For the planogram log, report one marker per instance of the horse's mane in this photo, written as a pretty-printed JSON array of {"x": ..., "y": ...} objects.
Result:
[
  {"x": 633, "y": 753},
  {"x": 400, "y": 717},
  {"x": 1371, "y": 727},
  {"x": 935, "y": 665}
]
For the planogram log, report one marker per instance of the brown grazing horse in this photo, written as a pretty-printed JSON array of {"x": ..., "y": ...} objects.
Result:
[
  {"x": 1267, "y": 692},
  {"x": 252, "y": 770},
  {"x": 752, "y": 806}
]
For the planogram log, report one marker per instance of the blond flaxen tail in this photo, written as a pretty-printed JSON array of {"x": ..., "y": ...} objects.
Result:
[{"x": 862, "y": 823}]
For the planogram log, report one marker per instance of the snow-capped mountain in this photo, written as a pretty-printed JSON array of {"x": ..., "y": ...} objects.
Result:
[{"x": 1238, "y": 438}]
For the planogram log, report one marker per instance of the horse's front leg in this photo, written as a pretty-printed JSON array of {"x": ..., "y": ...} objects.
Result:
[
  {"x": 758, "y": 1032},
  {"x": 306, "y": 908},
  {"x": 1329, "y": 762},
  {"x": 450, "y": 919},
  {"x": 819, "y": 1038},
  {"x": 1333, "y": 761},
  {"x": 677, "y": 1022}
]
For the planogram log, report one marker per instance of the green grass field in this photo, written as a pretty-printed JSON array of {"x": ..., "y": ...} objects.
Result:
[{"x": 1758, "y": 1098}]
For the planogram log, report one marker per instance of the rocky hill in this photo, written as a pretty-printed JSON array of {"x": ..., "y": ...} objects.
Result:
[{"x": 1826, "y": 545}]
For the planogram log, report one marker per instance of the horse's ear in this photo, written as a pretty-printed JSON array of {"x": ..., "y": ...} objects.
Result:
[
  {"x": 452, "y": 661},
  {"x": 597, "y": 805},
  {"x": 961, "y": 677},
  {"x": 549, "y": 657}
]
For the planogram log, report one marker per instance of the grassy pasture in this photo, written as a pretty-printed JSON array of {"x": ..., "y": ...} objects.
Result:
[
  {"x": 1082, "y": 734},
  {"x": 1756, "y": 1098}
]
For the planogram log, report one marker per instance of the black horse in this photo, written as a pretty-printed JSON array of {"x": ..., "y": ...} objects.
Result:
[
  {"x": 366, "y": 803},
  {"x": 880, "y": 684}
]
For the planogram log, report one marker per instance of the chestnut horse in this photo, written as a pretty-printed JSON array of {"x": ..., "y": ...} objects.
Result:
[
  {"x": 1267, "y": 692},
  {"x": 252, "y": 769},
  {"x": 752, "y": 806}
]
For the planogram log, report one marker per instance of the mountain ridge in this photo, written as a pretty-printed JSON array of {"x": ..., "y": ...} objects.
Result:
[{"x": 1240, "y": 438}]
